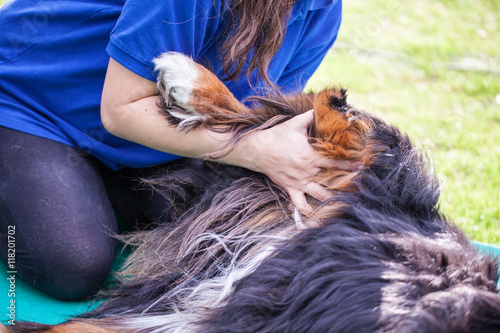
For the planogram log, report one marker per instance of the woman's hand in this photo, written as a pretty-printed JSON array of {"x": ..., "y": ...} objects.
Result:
[{"x": 284, "y": 154}]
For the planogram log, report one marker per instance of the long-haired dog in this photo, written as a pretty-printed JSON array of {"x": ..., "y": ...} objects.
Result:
[{"x": 378, "y": 256}]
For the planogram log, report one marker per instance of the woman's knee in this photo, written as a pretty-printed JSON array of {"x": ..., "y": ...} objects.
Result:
[
  {"x": 76, "y": 276},
  {"x": 70, "y": 273}
]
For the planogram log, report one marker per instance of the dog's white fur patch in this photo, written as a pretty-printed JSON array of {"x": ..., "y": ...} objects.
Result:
[
  {"x": 212, "y": 292},
  {"x": 188, "y": 118},
  {"x": 299, "y": 223},
  {"x": 177, "y": 77}
]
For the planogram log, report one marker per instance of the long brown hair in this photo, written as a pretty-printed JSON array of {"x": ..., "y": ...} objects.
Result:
[{"x": 256, "y": 28}]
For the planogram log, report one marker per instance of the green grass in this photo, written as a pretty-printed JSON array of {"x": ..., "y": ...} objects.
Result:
[{"x": 433, "y": 69}]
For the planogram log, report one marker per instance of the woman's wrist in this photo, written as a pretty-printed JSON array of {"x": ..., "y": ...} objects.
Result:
[{"x": 246, "y": 153}]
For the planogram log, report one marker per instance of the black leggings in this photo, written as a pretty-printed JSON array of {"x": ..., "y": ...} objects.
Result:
[{"x": 60, "y": 202}]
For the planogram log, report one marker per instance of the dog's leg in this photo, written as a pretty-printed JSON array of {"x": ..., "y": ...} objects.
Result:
[
  {"x": 192, "y": 94},
  {"x": 74, "y": 325},
  {"x": 5, "y": 329}
]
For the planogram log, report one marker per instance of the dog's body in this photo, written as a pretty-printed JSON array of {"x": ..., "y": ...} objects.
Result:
[{"x": 376, "y": 257}]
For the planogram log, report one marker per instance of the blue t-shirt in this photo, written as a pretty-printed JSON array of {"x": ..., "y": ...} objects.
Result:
[{"x": 54, "y": 55}]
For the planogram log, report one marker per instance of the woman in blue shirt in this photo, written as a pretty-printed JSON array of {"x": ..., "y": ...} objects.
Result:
[{"x": 79, "y": 120}]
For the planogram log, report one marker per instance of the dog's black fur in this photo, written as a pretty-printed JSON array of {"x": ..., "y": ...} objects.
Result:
[{"x": 391, "y": 263}]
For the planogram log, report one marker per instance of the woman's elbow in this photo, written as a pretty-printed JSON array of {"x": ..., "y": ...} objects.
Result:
[{"x": 110, "y": 118}]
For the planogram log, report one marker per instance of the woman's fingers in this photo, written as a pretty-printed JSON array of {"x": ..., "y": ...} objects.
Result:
[
  {"x": 326, "y": 163},
  {"x": 300, "y": 202},
  {"x": 317, "y": 191}
]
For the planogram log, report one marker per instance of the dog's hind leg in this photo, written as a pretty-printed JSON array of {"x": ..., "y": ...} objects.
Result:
[{"x": 72, "y": 326}]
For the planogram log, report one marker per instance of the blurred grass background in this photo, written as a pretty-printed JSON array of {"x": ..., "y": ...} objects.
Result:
[{"x": 433, "y": 69}]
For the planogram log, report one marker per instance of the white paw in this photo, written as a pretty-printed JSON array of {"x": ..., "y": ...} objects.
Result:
[{"x": 177, "y": 75}]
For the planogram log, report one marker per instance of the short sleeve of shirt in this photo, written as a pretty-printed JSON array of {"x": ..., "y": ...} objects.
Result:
[
  {"x": 319, "y": 31},
  {"x": 146, "y": 29}
]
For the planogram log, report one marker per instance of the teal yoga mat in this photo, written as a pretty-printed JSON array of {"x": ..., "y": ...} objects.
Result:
[
  {"x": 21, "y": 302},
  {"x": 30, "y": 304}
]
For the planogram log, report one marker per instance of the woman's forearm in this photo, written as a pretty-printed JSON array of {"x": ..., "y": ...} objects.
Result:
[{"x": 142, "y": 122}]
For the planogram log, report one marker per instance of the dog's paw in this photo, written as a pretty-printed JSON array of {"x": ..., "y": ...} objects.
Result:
[{"x": 178, "y": 77}]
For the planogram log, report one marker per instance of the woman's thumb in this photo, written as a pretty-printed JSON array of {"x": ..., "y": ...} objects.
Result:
[{"x": 303, "y": 120}]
